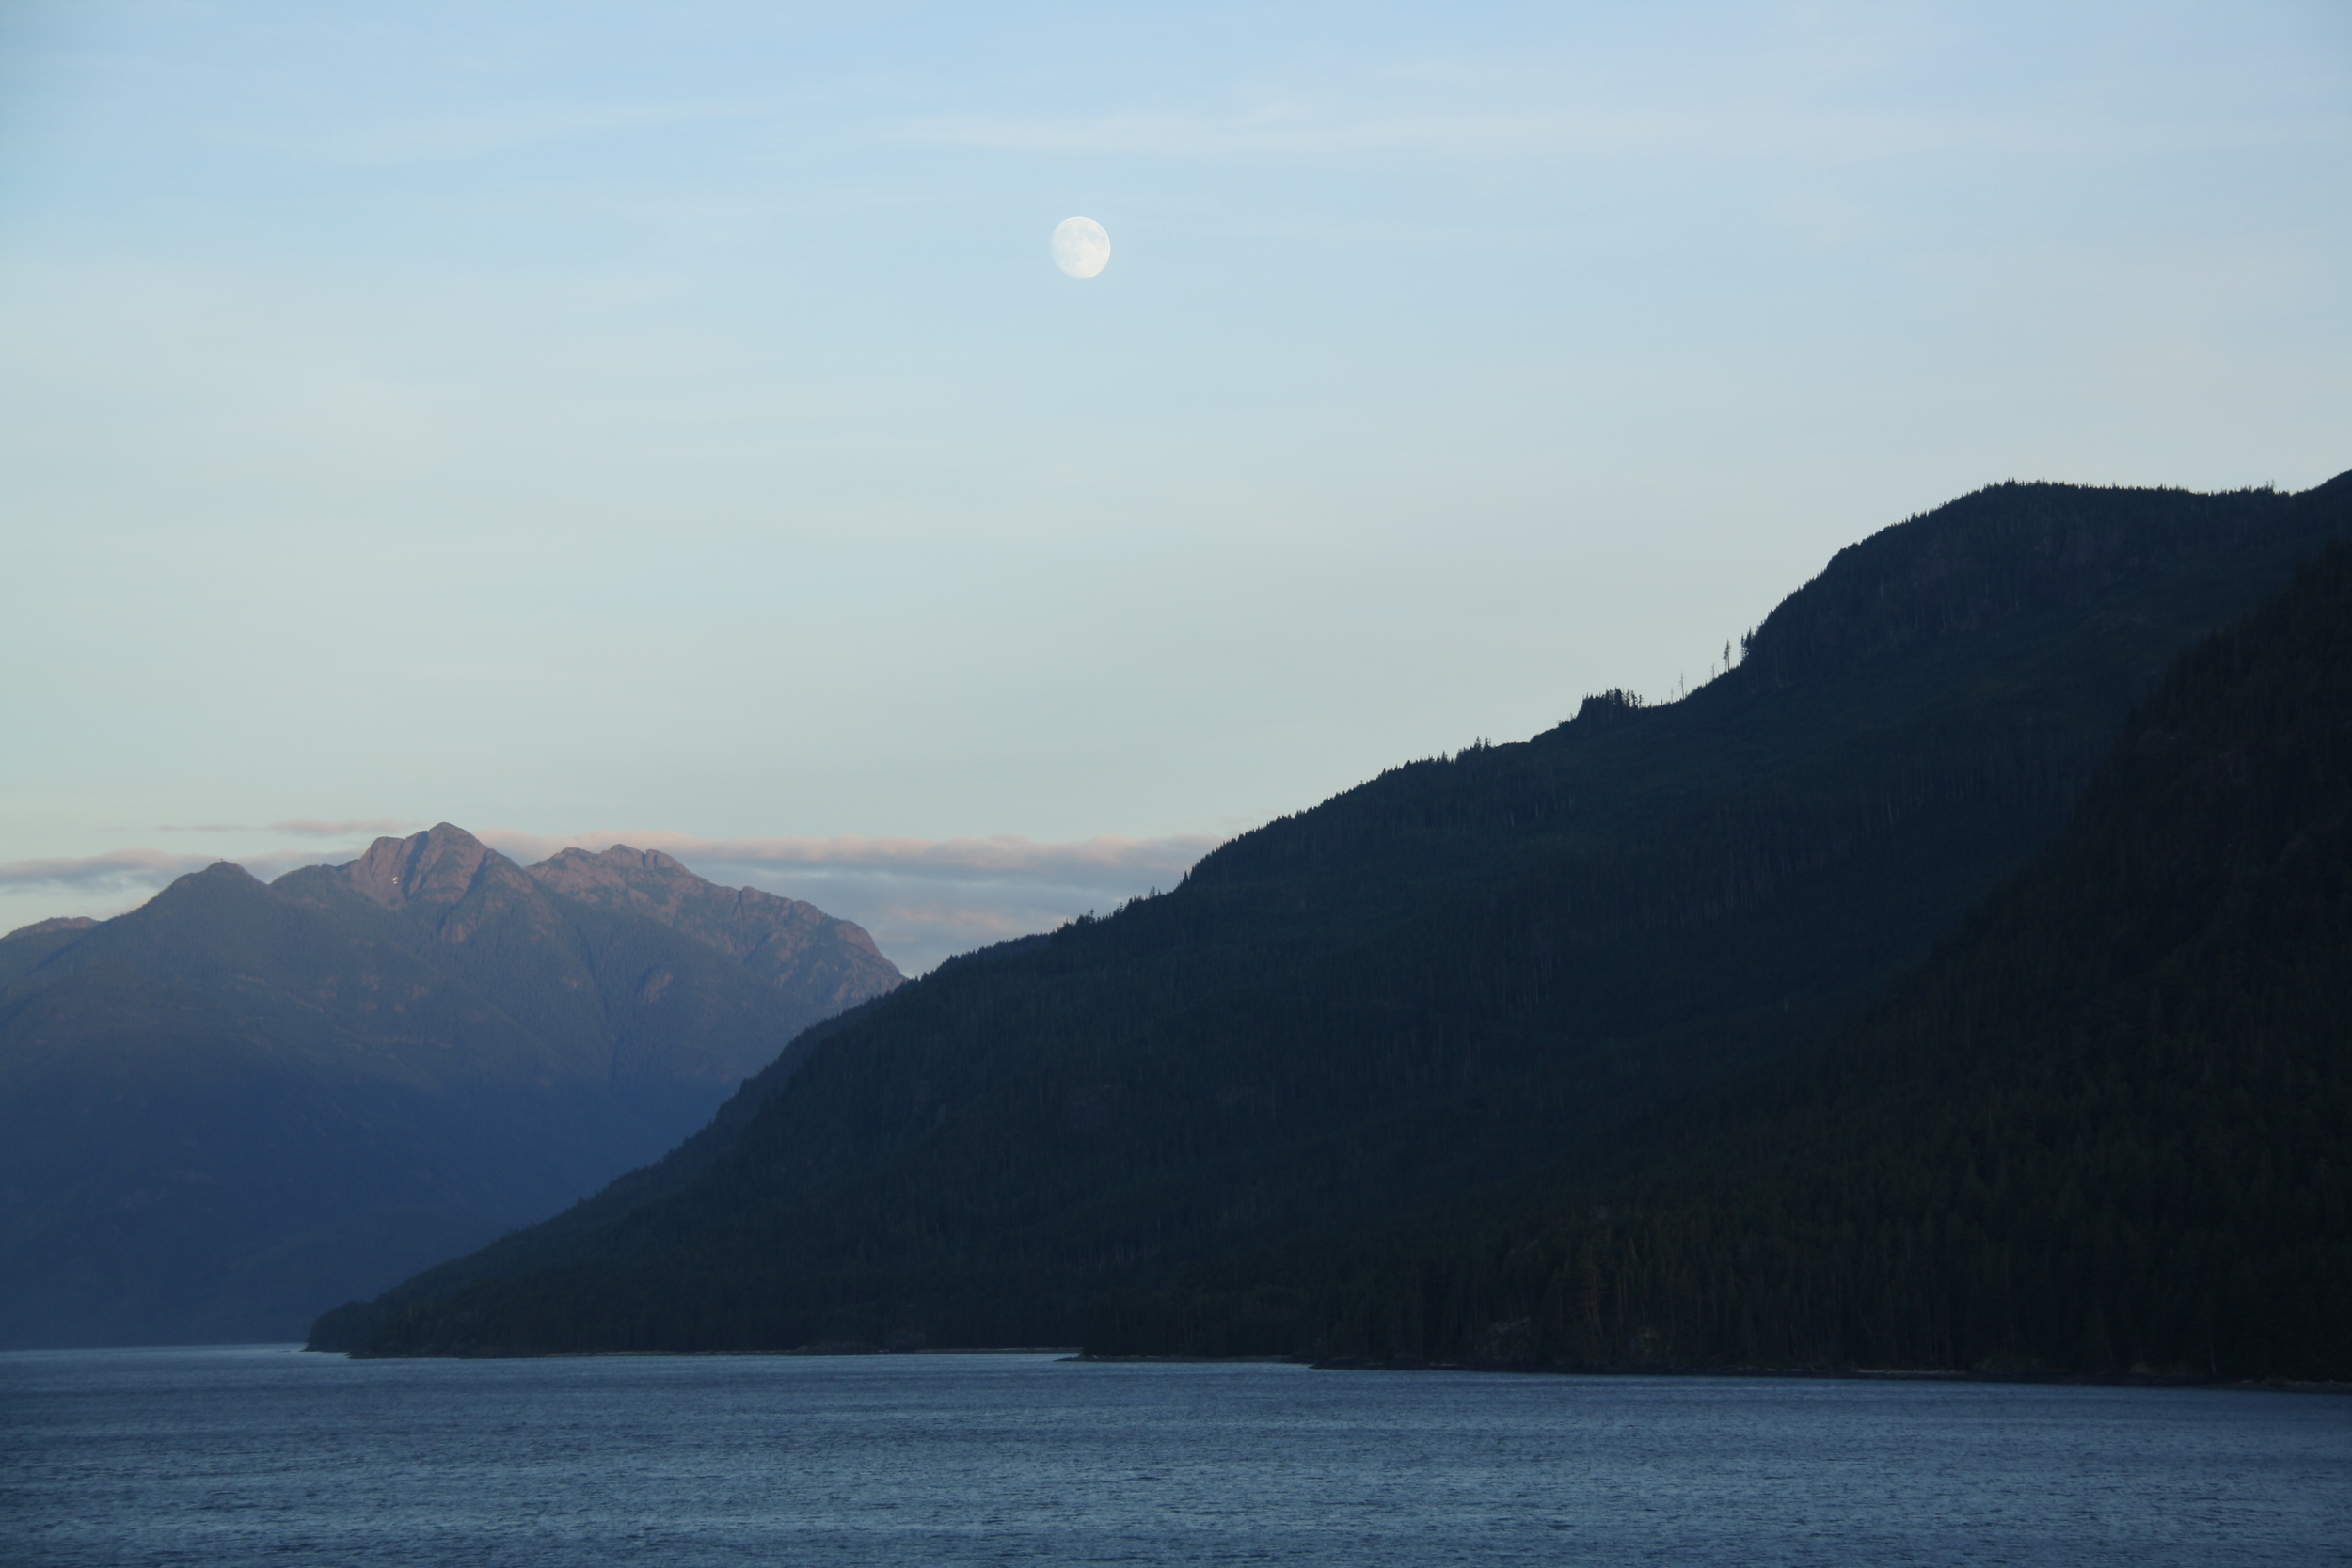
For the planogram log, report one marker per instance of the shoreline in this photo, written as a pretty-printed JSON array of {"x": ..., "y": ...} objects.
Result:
[
  {"x": 1077, "y": 1355},
  {"x": 1833, "y": 1374}
]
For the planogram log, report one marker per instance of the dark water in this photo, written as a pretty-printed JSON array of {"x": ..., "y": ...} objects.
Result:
[{"x": 268, "y": 1456}]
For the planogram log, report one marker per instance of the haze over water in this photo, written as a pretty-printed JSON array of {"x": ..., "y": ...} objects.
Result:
[{"x": 254, "y": 1454}]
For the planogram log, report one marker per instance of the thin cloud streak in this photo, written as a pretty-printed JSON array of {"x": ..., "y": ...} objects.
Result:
[
  {"x": 450, "y": 139},
  {"x": 997, "y": 858},
  {"x": 305, "y": 827},
  {"x": 121, "y": 871},
  {"x": 1734, "y": 133},
  {"x": 300, "y": 828},
  {"x": 115, "y": 868}
]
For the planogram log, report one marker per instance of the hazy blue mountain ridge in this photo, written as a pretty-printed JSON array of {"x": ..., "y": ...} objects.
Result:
[
  {"x": 239, "y": 1103},
  {"x": 649, "y": 1004}
]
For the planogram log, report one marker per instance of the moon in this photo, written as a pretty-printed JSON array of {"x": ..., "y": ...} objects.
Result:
[{"x": 1081, "y": 247}]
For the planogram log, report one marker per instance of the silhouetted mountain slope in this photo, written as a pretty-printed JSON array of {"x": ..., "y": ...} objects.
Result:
[
  {"x": 239, "y": 1103},
  {"x": 1432, "y": 997},
  {"x": 2107, "y": 1127}
]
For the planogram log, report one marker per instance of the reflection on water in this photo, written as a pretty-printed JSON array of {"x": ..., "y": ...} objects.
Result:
[{"x": 250, "y": 1455}]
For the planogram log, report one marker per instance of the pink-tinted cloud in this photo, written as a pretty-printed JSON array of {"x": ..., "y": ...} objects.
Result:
[
  {"x": 299, "y": 827},
  {"x": 115, "y": 868},
  {"x": 305, "y": 827}
]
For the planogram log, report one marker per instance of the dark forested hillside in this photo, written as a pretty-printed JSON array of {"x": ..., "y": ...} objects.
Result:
[
  {"x": 1428, "y": 1002},
  {"x": 237, "y": 1104},
  {"x": 2107, "y": 1127}
]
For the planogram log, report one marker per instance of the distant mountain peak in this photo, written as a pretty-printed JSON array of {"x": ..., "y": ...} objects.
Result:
[
  {"x": 219, "y": 875},
  {"x": 645, "y": 880},
  {"x": 456, "y": 883},
  {"x": 55, "y": 923},
  {"x": 440, "y": 865},
  {"x": 620, "y": 855},
  {"x": 790, "y": 941}
]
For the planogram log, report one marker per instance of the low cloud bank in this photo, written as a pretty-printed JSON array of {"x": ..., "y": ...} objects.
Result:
[
  {"x": 923, "y": 899},
  {"x": 121, "y": 872},
  {"x": 120, "y": 880},
  {"x": 999, "y": 858},
  {"x": 301, "y": 826}
]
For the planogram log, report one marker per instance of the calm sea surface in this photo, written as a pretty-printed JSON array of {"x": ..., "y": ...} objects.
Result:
[{"x": 254, "y": 1455}]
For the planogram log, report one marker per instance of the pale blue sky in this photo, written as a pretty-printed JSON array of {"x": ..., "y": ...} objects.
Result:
[{"x": 574, "y": 419}]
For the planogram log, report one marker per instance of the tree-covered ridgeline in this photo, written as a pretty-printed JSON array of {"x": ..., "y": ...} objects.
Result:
[
  {"x": 1355, "y": 1040},
  {"x": 2107, "y": 1127}
]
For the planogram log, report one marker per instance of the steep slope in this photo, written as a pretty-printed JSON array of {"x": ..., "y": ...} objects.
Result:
[
  {"x": 237, "y": 1104},
  {"x": 2105, "y": 1129},
  {"x": 1436, "y": 993}
]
